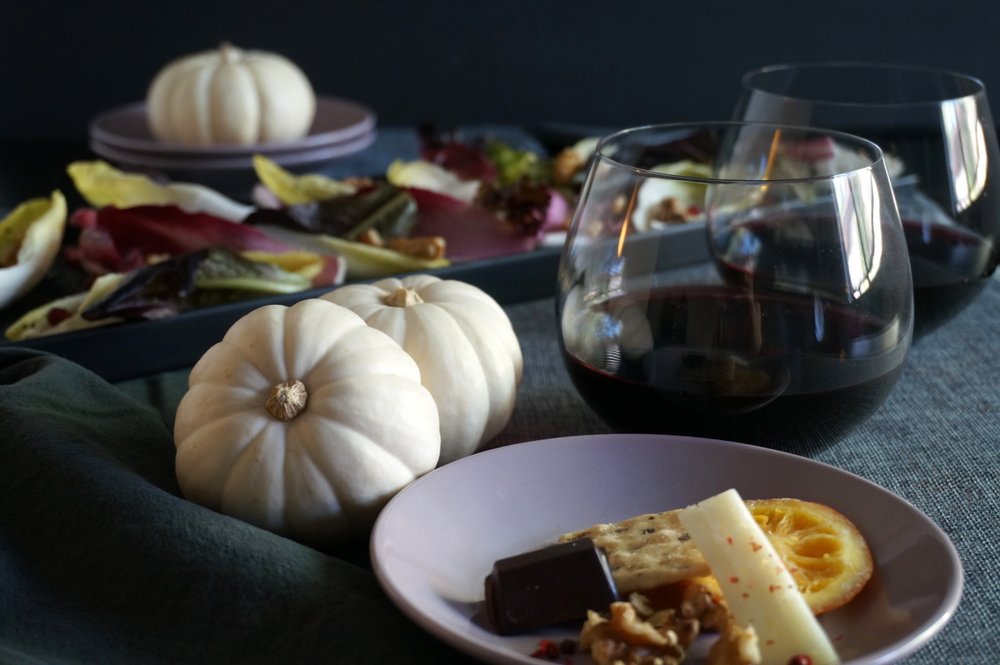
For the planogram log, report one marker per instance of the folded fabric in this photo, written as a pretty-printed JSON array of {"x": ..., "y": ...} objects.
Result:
[{"x": 103, "y": 561}]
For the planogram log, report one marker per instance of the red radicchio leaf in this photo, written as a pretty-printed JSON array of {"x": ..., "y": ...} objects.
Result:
[
  {"x": 472, "y": 232},
  {"x": 170, "y": 230},
  {"x": 96, "y": 251},
  {"x": 467, "y": 162},
  {"x": 534, "y": 209},
  {"x": 120, "y": 239},
  {"x": 557, "y": 213}
]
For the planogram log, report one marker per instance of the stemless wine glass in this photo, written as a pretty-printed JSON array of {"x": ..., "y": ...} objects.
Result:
[
  {"x": 940, "y": 144},
  {"x": 714, "y": 283}
]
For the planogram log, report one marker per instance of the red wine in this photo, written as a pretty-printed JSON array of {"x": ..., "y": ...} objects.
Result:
[
  {"x": 776, "y": 370},
  {"x": 950, "y": 267}
]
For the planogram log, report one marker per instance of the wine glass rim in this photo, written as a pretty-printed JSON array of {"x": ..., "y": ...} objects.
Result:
[
  {"x": 877, "y": 159},
  {"x": 977, "y": 85}
]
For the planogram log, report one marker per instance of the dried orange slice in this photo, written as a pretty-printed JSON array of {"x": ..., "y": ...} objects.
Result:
[{"x": 824, "y": 551}]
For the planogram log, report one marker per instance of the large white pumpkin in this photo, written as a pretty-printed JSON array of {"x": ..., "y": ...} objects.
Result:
[
  {"x": 230, "y": 97},
  {"x": 304, "y": 421},
  {"x": 463, "y": 342}
]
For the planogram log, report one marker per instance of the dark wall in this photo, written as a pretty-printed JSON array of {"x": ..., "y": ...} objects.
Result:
[{"x": 613, "y": 62}]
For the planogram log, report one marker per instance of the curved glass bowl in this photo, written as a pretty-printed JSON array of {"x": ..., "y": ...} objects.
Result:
[
  {"x": 940, "y": 143},
  {"x": 719, "y": 280}
]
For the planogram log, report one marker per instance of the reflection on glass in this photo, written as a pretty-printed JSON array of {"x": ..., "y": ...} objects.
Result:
[
  {"x": 966, "y": 150},
  {"x": 859, "y": 206}
]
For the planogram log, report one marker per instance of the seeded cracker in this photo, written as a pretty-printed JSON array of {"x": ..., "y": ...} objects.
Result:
[{"x": 646, "y": 551}]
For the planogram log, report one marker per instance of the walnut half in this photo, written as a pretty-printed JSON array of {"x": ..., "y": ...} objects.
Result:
[
  {"x": 633, "y": 634},
  {"x": 422, "y": 247}
]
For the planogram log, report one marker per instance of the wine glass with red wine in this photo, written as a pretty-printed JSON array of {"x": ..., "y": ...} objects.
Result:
[
  {"x": 718, "y": 280},
  {"x": 940, "y": 144}
]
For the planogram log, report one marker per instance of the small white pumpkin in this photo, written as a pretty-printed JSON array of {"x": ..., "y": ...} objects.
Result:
[
  {"x": 463, "y": 342},
  {"x": 230, "y": 97},
  {"x": 304, "y": 421}
]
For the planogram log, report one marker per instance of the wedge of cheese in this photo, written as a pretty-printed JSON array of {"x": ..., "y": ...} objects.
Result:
[{"x": 759, "y": 590}]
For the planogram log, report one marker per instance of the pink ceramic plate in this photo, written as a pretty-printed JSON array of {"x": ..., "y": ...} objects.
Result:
[
  {"x": 337, "y": 121},
  {"x": 435, "y": 542},
  {"x": 177, "y": 163}
]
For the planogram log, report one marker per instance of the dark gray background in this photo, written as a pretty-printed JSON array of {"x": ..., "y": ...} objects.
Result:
[
  {"x": 521, "y": 61},
  {"x": 580, "y": 63}
]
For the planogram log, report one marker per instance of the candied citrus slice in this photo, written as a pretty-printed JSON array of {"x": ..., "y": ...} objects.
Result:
[{"x": 824, "y": 551}]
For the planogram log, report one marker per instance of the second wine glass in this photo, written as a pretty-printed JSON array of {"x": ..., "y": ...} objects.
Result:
[{"x": 937, "y": 132}]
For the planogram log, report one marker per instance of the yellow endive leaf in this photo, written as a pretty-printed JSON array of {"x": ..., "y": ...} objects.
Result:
[
  {"x": 30, "y": 237},
  {"x": 294, "y": 189},
  {"x": 103, "y": 185}
]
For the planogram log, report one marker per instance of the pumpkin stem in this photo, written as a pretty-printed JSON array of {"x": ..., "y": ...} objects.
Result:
[
  {"x": 403, "y": 297},
  {"x": 228, "y": 52},
  {"x": 287, "y": 400}
]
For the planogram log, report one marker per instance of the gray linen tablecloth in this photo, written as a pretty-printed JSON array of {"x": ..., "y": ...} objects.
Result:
[{"x": 935, "y": 442}]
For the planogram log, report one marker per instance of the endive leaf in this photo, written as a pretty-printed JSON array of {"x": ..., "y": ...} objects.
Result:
[
  {"x": 30, "y": 237},
  {"x": 294, "y": 189},
  {"x": 103, "y": 185},
  {"x": 64, "y": 314},
  {"x": 363, "y": 261}
]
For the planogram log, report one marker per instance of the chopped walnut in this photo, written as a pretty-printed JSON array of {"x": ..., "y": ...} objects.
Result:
[
  {"x": 702, "y": 600},
  {"x": 371, "y": 237},
  {"x": 657, "y": 627},
  {"x": 668, "y": 211},
  {"x": 359, "y": 182},
  {"x": 736, "y": 646},
  {"x": 567, "y": 164},
  {"x": 422, "y": 247},
  {"x": 698, "y": 598},
  {"x": 619, "y": 204},
  {"x": 633, "y": 634}
]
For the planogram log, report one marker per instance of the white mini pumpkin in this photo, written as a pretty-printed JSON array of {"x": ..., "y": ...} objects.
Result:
[
  {"x": 230, "y": 97},
  {"x": 463, "y": 342},
  {"x": 304, "y": 421}
]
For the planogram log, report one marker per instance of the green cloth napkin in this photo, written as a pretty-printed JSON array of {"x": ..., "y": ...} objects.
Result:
[{"x": 103, "y": 561}]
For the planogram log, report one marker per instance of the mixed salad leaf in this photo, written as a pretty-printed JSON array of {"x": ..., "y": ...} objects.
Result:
[
  {"x": 380, "y": 208},
  {"x": 204, "y": 277},
  {"x": 122, "y": 239},
  {"x": 208, "y": 276},
  {"x": 150, "y": 249}
]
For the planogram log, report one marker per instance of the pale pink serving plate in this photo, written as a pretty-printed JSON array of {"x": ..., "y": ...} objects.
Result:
[
  {"x": 337, "y": 121},
  {"x": 436, "y": 541}
]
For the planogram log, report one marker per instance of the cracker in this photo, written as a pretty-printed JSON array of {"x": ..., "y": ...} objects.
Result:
[{"x": 646, "y": 551}]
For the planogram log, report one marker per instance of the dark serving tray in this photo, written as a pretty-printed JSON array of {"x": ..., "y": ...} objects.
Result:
[{"x": 141, "y": 348}]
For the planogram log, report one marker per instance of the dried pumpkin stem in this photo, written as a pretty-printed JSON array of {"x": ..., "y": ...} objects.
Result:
[
  {"x": 228, "y": 53},
  {"x": 403, "y": 297},
  {"x": 287, "y": 399}
]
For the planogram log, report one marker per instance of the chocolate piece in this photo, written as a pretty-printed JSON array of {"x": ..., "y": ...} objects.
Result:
[{"x": 548, "y": 586}]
